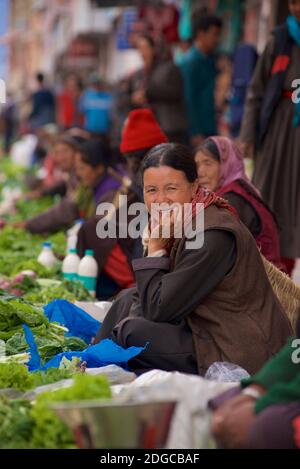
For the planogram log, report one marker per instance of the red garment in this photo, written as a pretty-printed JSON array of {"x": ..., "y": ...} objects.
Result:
[
  {"x": 141, "y": 131},
  {"x": 281, "y": 64},
  {"x": 161, "y": 21},
  {"x": 68, "y": 113},
  {"x": 117, "y": 267},
  {"x": 267, "y": 241},
  {"x": 289, "y": 265},
  {"x": 296, "y": 427},
  {"x": 53, "y": 175},
  {"x": 206, "y": 198}
]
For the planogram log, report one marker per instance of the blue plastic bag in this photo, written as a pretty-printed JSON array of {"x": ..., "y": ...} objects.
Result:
[
  {"x": 35, "y": 360},
  {"x": 79, "y": 323},
  {"x": 104, "y": 353}
]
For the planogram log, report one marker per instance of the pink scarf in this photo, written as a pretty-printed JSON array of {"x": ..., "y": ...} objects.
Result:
[{"x": 232, "y": 163}]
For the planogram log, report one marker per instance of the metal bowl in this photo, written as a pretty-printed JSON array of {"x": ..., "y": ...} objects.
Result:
[{"x": 113, "y": 424}]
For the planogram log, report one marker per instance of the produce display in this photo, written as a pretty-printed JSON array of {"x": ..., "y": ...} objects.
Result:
[
  {"x": 26, "y": 287},
  {"x": 37, "y": 291},
  {"x": 26, "y": 425},
  {"x": 16, "y": 375},
  {"x": 26, "y": 209},
  {"x": 67, "y": 290},
  {"x": 50, "y": 338}
]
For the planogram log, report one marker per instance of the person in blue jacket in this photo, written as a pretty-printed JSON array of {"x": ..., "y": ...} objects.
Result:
[{"x": 95, "y": 105}]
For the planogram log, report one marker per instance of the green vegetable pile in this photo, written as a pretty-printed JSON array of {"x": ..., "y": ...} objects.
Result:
[
  {"x": 49, "y": 337},
  {"x": 26, "y": 209},
  {"x": 19, "y": 250},
  {"x": 26, "y": 425},
  {"x": 16, "y": 376},
  {"x": 11, "y": 173},
  {"x": 70, "y": 291}
]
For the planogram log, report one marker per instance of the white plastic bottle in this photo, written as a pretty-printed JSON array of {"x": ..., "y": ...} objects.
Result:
[
  {"x": 72, "y": 234},
  {"x": 70, "y": 265},
  {"x": 47, "y": 257},
  {"x": 88, "y": 272}
]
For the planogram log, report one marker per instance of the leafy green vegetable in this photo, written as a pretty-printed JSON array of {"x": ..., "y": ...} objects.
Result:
[
  {"x": 27, "y": 209},
  {"x": 49, "y": 431},
  {"x": 49, "y": 337},
  {"x": 16, "y": 424},
  {"x": 17, "y": 312},
  {"x": 59, "y": 243},
  {"x": 10, "y": 170},
  {"x": 19, "y": 251},
  {"x": 70, "y": 291},
  {"x": 34, "y": 425},
  {"x": 48, "y": 344},
  {"x": 35, "y": 266},
  {"x": 52, "y": 375},
  {"x": 16, "y": 376}
]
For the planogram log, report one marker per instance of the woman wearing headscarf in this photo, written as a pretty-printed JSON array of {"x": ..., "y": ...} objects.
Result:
[
  {"x": 91, "y": 162},
  {"x": 191, "y": 304},
  {"x": 272, "y": 124},
  {"x": 221, "y": 169}
]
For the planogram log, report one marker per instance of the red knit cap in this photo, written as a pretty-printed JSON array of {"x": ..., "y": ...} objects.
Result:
[{"x": 141, "y": 131}]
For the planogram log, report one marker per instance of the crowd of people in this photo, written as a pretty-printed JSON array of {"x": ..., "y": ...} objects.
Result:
[{"x": 156, "y": 141}]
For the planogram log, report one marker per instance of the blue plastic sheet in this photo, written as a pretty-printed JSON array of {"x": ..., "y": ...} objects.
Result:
[
  {"x": 35, "y": 361},
  {"x": 78, "y": 322},
  {"x": 104, "y": 353}
]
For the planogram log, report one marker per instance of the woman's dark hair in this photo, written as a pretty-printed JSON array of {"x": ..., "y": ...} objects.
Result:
[
  {"x": 95, "y": 153},
  {"x": 175, "y": 156},
  {"x": 137, "y": 154},
  {"x": 73, "y": 142},
  {"x": 209, "y": 146}
]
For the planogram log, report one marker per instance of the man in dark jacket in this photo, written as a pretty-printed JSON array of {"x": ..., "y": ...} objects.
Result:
[{"x": 43, "y": 105}]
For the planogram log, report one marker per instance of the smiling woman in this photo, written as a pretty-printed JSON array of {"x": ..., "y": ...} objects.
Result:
[{"x": 197, "y": 299}]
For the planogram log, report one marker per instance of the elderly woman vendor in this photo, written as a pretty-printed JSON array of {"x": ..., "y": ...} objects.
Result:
[
  {"x": 221, "y": 169},
  {"x": 193, "y": 307}
]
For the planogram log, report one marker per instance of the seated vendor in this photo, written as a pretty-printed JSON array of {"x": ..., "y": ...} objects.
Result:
[
  {"x": 90, "y": 161},
  {"x": 221, "y": 169},
  {"x": 114, "y": 254},
  {"x": 194, "y": 305}
]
